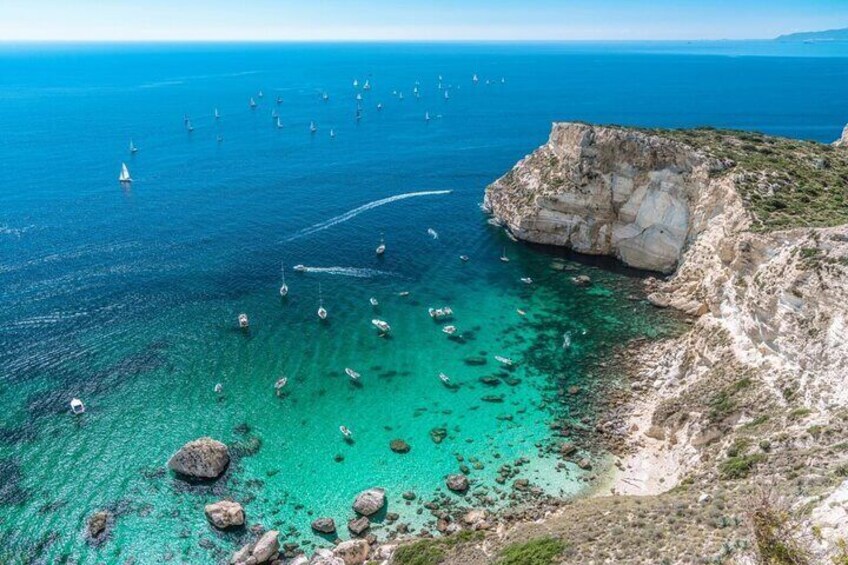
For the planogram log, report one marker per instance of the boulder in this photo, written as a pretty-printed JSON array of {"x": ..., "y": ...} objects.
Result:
[
  {"x": 457, "y": 483},
  {"x": 370, "y": 501},
  {"x": 473, "y": 517},
  {"x": 843, "y": 141},
  {"x": 97, "y": 524},
  {"x": 203, "y": 458},
  {"x": 225, "y": 514},
  {"x": 241, "y": 556},
  {"x": 352, "y": 552},
  {"x": 358, "y": 525},
  {"x": 584, "y": 464},
  {"x": 325, "y": 557},
  {"x": 324, "y": 525},
  {"x": 267, "y": 547},
  {"x": 399, "y": 446}
]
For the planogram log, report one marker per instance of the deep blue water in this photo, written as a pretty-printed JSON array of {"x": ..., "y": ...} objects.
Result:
[{"x": 128, "y": 296}]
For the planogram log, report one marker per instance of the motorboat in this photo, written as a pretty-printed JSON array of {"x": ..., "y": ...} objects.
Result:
[
  {"x": 444, "y": 378},
  {"x": 526, "y": 280},
  {"x": 463, "y": 258},
  {"x": 450, "y": 330},
  {"x": 77, "y": 407},
  {"x": 521, "y": 312},
  {"x": 503, "y": 360},
  {"x": 284, "y": 288},
  {"x": 432, "y": 233},
  {"x": 346, "y": 432},
  {"x": 382, "y": 247},
  {"x": 300, "y": 268},
  {"x": 352, "y": 374},
  {"x": 243, "y": 321},
  {"x": 281, "y": 382},
  {"x": 381, "y": 325},
  {"x": 219, "y": 388},
  {"x": 322, "y": 312},
  {"x": 373, "y": 302},
  {"x": 403, "y": 293}
]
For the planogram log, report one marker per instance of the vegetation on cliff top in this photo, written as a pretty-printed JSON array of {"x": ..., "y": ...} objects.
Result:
[{"x": 786, "y": 183}]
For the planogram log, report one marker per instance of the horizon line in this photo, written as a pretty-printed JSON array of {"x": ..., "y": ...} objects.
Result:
[{"x": 376, "y": 40}]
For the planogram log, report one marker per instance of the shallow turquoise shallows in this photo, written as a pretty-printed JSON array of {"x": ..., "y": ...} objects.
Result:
[{"x": 128, "y": 298}]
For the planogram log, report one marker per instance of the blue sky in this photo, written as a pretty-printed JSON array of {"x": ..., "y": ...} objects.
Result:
[{"x": 262, "y": 20}]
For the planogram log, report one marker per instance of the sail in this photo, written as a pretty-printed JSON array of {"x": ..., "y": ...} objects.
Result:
[{"x": 125, "y": 173}]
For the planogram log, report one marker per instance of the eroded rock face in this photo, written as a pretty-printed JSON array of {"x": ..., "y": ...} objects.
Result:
[
  {"x": 203, "y": 458},
  {"x": 225, "y": 514},
  {"x": 604, "y": 191},
  {"x": 842, "y": 141},
  {"x": 370, "y": 501},
  {"x": 352, "y": 552}
]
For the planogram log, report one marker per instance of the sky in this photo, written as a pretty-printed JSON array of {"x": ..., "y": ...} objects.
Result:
[{"x": 360, "y": 20}]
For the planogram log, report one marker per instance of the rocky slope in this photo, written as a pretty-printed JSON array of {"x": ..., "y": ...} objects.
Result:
[{"x": 736, "y": 432}]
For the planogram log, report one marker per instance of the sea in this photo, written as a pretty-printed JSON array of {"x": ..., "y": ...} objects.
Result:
[{"x": 127, "y": 297}]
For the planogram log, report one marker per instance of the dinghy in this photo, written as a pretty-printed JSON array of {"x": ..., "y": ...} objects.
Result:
[
  {"x": 219, "y": 388},
  {"x": 346, "y": 432},
  {"x": 77, "y": 407},
  {"x": 382, "y": 247},
  {"x": 433, "y": 233},
  {"x": 373, "y": 302},
  {"x": 243, "y": 321},
  {"x": 352, "y": 374}
]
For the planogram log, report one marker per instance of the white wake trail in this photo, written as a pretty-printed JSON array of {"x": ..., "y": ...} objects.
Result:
[
  {"x": 347, "y": 272},
  {"x": 364, "y": 208}
]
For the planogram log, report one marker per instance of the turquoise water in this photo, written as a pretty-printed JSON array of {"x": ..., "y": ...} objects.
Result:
[{"x": 128, "y": 298}]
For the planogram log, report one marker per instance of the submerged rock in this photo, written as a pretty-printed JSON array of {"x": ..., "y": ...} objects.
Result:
[
  {"x": 358, "y": 525},
  {"x": 399, "y": 446},
  {"x": 370, "y": 501},
  {"x": 97, "y": 525},
  {"x": 203, "y": 458},
  {"x": 457, "y": 483},
  {"x": 225, "y": 514},
  {"x": 267, "y": 547},
  {"x": 324, "y": 525}
]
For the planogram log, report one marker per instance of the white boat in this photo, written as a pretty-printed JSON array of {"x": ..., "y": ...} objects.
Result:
[
  {"x": 284, "y": 288},
  {"x": 325, "y": 97},
  {"x": 281, "y": 382},
  {"x": 352, "y": 374},
  {"x": 189, "y": 127},
  {"x": 133, "y": 148},
  {"x": 220, "y": 139},
  {"x": 279, "y": 123},
  {"x": 346, "y": 432},
  {"x": 274, "y": 115},
  {"x": 359, "y": 96},
  {"x": 243, "y": 321},
  {"x": 503, "y": 360},
  {"x": 355, "y": 83},
  {"x": 439, "y": 313},
  {"x": 367, "y": 85},
  {"x": 504, "y": 258},
  {"x": 503, "y": 80},
  {"x": 521, "y": 312},
  {"x": 279, "y": 100},
  {"x": 379, "y": 106},
  {"x": 373, "y": 302},
  {"x": 450, "y": 330},
  {"x": 216, "y": 114},
  {"x": 403, "y": 293},
  {"x": 526, "y": 280},
  {"x": 475, "y": 79},
  {"x": 77, "y": 407},
  {"x": 381, "y": 325},
  {"x": 415, "y": 91},
  {"x": 332, "y": 133},
  {"x": 382, "y": 247},
  {"x": 219, "y": 388},
  {"x": 426, "y": 116},
  {"x": 447, "y": 95},
  {"x": 252, "y": 103},
  {"x": 322, "y": 312},
  {"x": 300, "y": 268},
  {"x": 463, "y": 258},
  {"x": 400, "y": 95},
  {"x": 312, "y": 127},
  {"x": 124, "y": 177},
  {"x": 444, "y": 378},
  {"x": 432, "y": 233},
  {"x": 261, "y": 94}
]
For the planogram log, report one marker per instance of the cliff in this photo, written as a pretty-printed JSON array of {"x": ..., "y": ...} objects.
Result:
[{"x": 735, "y": 432}]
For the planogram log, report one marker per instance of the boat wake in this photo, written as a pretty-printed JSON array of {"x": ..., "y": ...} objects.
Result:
[
  {"x": 346, "y": 272},
  {"x": 357, "y": 211}
]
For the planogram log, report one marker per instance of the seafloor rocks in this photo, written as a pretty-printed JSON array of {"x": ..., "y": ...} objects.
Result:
[
  {"x": 358, "y": 525},
  {"x": 352, "y": 552},
  {"x": 457, "y": 483},
  {"x": 203, "y": 458},
  {"x": 370, "y": 501},
  {"x": 225, "y": 514},
  {"x": 266, "y": 548},
  {"x": 324, "y": 556},
  {"x": 399, "y": 446},
  {"x": 324, "y": 525},
  {"x": 97, "y": 525}
]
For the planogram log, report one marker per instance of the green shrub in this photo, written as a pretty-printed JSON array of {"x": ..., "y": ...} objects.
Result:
[
  {"x": 739, "y": 466},
  {"x": 541, "y": 551}
]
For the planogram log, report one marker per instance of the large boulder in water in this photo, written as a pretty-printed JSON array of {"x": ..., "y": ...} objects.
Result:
[
  {"x": 203, "y": 458},
  {"x": 324, "y": 525},
  {"x": 267, "y": 547},
  {"x": 225, "y": 514},
  {"x": 352, "y": 552},
  {"x": 370, "y": 501},
  {"x": 457, "y": 483}
]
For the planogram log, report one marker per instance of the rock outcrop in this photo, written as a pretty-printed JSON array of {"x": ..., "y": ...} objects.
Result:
[
  {"x": 225, "y": 514},
  {"x": 842, "y": 141},
  {"x": 97, "y": 526},
  {"x": 605, "y": 191},
  {"x": 352, "y": 552},
  {"x": 324, "y": 525},
  {"x": 264, "y": 550},
  {"x": 202, "y": 459},
  {"x": 370, "y": 502},
  {"x": 457, "y": 483}
]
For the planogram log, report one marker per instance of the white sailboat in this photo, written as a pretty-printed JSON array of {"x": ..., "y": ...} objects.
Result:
[
  {"x": 504, "y": 258},
  {"x": 354, "y": 376},
  {"x": 332, "y": 133},
  {"x": 312, "y": 127},
  {"x": 279, "y": 123},
  {"x": 325, "y": 97},
  {"x": 322, "y": 312},
  {"x": 373, "y": 302},
  {"x": 400, "y": 96},
  {"x": 367, "y": 85},
  {"x": 284, "y": 288},
  {"x": 274, "y": 115},
  {"x": 217, "y": 114},
  {"x": 124, "y": 177},
  {"x": 382, "y": 247},
  {"x": 379, "y": 106},
  {"x": 133, "y": 148},
  {"x": 252, "y": 103},
  {"x": 355, "y": 83},
  {"x": 279, "y": 100},
  {"x": 189, "y": 127},
  {"x": 219, "y": 388},
  {"x": 447, "y": 95},
  {"x": 359, "y": 96},
  {"x": 475, "y": 79},
  {"x": 261, "y": 94},
  {"x": 426, "y": 116},
  {"x": 444, "y": 378}
]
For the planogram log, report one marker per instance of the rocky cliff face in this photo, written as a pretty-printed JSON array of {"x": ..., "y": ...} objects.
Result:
[
  {"x": 607, "y": 191},
  {"x": 842, "y": 141}
]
